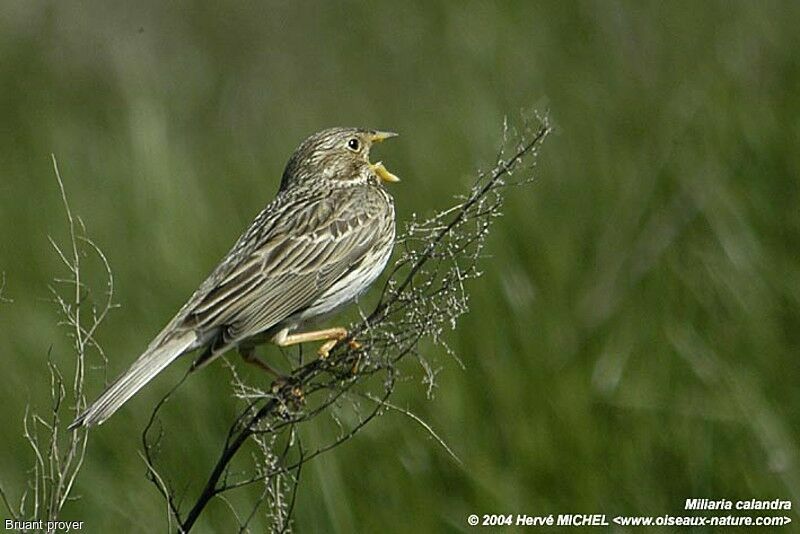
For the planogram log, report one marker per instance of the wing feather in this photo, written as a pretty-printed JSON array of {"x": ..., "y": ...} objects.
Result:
[{"x": 304, "y": 251}]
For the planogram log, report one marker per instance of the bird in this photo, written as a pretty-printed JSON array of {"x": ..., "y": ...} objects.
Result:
[{"x": 320, "y": 243}]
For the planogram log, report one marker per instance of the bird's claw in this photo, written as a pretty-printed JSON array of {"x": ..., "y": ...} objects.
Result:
[
  {"x": 325, "y": 350},
  {"x": 279, "y": 384}
]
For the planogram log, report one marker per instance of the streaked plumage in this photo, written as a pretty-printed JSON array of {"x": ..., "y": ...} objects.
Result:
[{"x": 320, "y": 243}]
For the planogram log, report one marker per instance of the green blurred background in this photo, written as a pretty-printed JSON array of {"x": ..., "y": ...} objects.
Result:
[{"x": 635, "y": 339}]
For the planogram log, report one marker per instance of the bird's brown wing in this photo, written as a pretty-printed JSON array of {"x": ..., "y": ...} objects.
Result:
[{"x": 305, "y": 251}]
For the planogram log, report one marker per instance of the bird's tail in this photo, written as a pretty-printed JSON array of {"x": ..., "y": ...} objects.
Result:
[{"x": 159, "y": 355}]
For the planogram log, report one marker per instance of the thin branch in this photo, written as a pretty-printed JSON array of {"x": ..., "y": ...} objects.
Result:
[
  {"x": 58, "y": 455},
  {"x": 414, "y": 417},
  {"x": 162, "y": 487}
]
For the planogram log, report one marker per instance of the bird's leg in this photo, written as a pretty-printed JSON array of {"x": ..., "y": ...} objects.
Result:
[
  {"x": 248, "y": 354},
  {"x": 331, "y": 336}
]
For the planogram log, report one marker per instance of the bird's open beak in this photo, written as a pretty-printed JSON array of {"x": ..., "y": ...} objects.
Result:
[
  {"x": 377, "y": 137},
  {"x": 378, "y": 168},
  {"x": 383, "y": 173}
]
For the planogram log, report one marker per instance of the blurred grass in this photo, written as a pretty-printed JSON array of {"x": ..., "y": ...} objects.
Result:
[{"x": 635, "y": 340}]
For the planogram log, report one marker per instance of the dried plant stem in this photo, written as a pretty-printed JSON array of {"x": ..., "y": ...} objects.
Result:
[{"x": 59, "y": 454}]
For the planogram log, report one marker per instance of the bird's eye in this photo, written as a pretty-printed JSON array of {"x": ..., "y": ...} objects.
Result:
[{"x": 353, "y": 144}]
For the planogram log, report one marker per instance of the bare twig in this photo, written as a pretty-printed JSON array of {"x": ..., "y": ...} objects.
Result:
[{"x": 59, "y": 455}]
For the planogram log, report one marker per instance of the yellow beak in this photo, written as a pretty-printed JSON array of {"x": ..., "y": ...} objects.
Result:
[
  {"x": 377, "y": 137},
  {"x": 378, "y": 168},
  {"x": 383, "y": 173}
]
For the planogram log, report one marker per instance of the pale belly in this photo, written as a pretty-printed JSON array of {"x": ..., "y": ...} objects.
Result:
[{"x": 349, "y": 287}]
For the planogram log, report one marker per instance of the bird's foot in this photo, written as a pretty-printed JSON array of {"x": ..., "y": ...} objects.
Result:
[
  {"x": 291, "y": 398},
  {"x": 298, "y": 397},
  {"x": 355, "y": 368},
  {"x": 326, "y": 348},
  {"x": 279, "y": 384}
]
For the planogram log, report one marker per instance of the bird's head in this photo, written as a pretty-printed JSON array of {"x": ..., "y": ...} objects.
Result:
[{"x": 338, "y": 157}]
